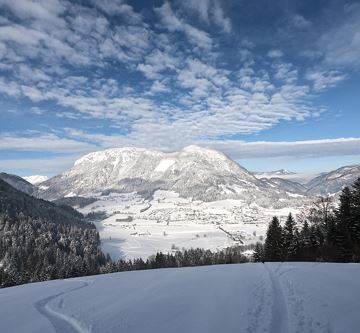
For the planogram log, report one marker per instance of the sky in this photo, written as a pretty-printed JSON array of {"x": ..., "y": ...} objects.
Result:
[{"x": 273, "y": 84}]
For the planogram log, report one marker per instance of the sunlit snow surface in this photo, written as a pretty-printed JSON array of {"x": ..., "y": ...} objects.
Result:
[
  {"x": 137, "y": 227},
  {"x": 274, "y": 298}
]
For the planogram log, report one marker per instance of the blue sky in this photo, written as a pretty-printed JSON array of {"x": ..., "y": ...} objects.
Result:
[{"x": 273, "y": 84}]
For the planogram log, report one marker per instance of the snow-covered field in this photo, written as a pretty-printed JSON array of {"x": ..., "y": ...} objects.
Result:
[
  {"x": 271, "y": 297},
  {"x": 136, "y": 227}
]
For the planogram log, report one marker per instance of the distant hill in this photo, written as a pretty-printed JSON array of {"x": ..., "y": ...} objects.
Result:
[
  {"x": 287, "y": 185},
  {"x": 333, "y": 182},
  {"x": 19, "y": 183},
  {"x": 15, "y": 202}
]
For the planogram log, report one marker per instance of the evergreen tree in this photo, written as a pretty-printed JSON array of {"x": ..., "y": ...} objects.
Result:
[
  {"x": 344, "y": 218},
  {"x": 355, "y": 223},
  {"x": 258, "y": 253},
  {"x": 289, "y": 229},
  {"x": 305, "y": 248},
  {"x": 294, "y": 248},
  {"x": 274, "y": 241}
]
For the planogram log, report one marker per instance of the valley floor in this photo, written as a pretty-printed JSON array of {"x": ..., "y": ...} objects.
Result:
[
  {"x": 271, "y": 297},
  {"x": 137, "y": 228}
]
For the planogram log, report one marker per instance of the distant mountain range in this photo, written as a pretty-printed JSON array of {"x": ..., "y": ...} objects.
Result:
[
  {"x": 195, "y": 172},
  {"x": 271, "y": 174}
]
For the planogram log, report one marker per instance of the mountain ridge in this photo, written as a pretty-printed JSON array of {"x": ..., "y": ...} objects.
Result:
[
  {"x": 196, "y": 172},
  {"x": 19, "y": 183},
  {"x": 332, "y": 182}
]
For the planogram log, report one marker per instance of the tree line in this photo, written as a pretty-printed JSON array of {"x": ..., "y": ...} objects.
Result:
[
  {"x": 327, "y": 233},
  {"x": 185, "y": 258}
]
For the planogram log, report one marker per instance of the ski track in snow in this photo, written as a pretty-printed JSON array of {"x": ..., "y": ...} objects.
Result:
[
  {"x": 297, "y": 303},
  {"x": 279, "y": 313},
  {"x": 258, "y": 311},
  {"x": 62, "y": 323}
]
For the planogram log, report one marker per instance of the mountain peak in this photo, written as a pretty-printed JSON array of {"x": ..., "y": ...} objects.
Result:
[
  {"x": 35, "y": 179},
  {"x": 284, "y": 172}
]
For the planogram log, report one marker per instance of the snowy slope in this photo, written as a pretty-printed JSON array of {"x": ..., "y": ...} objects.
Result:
[
  {"x": 274, "y": 298},
  {"x": 287, "y": 185},
  {"x": 192, "y": 172},
  {"x": 333, "y": 182}
]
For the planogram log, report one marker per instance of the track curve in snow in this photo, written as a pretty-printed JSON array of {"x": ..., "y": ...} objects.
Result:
[{"x": 61, "y": 322}]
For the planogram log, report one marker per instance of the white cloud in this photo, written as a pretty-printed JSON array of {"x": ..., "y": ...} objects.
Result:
[
  {"x": 300, "y": 22},
  {"x": 118, "y": 7},
  {"x": 324, "y": 79},
  {"x": 158, "y": 87},
  {"x": 340, "y": 45},
  {"x": 43, "y": 142},
  {"x": 286, "y": 72},
  {"x": 219, "y": 18},
  {"x": 294, "y": 149},
  {"x": 9, "y": 88},
  {"x": 42, "y": 11},
  {"x": 209, "y": 11},
  {"x": 172, "y": 23},
  {"x": 275, "y": 53},
  {"x": 157, "y": 62},
  {"x": 201, "y": 78}
]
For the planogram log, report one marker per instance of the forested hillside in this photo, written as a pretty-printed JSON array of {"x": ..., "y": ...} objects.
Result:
[
  {"x": 327, "y": 233},
  {"x": 40, "y": 240}
]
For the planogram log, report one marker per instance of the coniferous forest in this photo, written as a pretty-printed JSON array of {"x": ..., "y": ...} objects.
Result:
[
  {"x": 40, "y": 240},
  {"x": 327, "y": 233}
]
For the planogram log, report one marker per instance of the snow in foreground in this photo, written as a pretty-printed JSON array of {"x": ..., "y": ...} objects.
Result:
[{"x": 275, "y": 298}]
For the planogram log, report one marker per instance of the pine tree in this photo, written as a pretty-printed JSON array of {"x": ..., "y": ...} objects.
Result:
[
  {"x": 288, "y": 234},
  {"x": 343, "y": 237},
  {"x": 258, "y": 253},
  {"x": 294, "y": 249},
  {"x": 355, "y": 223},
  {"x": 305, "y": 244},
  {"x": 274, "y": 241}
]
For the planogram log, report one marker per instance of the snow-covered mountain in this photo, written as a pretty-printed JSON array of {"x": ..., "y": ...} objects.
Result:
[
  {"x": 332, "y": 182},
  {"x": 301, "y": 178},
  {"x": 273, "y": 174},
  {"x": 19, "y": 183},
  {"x": 36, "y": 179},
  {"x": 194, "y": 172}
]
